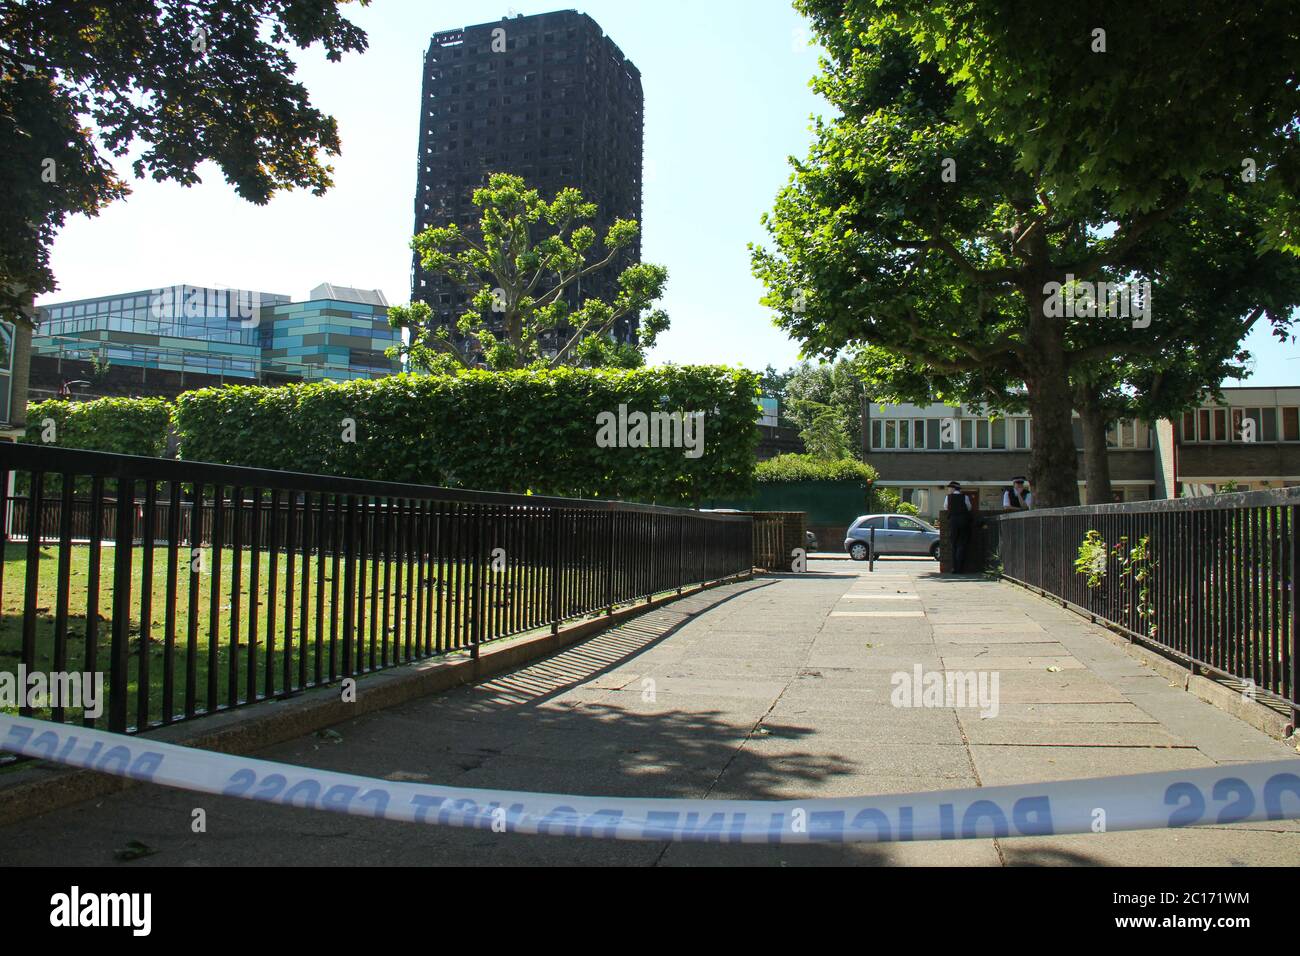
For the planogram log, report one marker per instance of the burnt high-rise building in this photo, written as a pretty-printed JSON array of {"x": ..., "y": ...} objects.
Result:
[{"x": 549, "y": 98}]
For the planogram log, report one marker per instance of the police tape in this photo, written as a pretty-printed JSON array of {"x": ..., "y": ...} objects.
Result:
[{"x": 1236, "y": 793}]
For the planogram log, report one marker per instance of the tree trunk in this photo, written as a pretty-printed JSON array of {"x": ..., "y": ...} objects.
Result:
[
  {"x": 1053, "y": 461},
  {"x": 1096, "y": 461}
]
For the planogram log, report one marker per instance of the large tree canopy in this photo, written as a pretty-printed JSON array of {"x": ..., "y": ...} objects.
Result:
[
  {"x": 963, "y": 248},
  {"x": 180, "y": 82},
  {"x": 1125, "y": 98}
]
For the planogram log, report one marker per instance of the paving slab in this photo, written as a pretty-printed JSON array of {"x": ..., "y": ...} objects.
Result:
[
  {"x": 1069, "y": 734},
  {"x": 781, "y": 688},
  {"x": 1043, "y": 664},
  {"x": 1192, "y": 846},
  {"x": 998, "y": 765}
]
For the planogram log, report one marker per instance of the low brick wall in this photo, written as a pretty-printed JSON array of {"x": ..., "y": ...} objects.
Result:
[
  {"x": 830, "y": 537},
  {"x": 773, "y": 552}
]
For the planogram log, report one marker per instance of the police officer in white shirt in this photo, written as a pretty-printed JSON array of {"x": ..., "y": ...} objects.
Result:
[{"x": 1017, "y": 497}]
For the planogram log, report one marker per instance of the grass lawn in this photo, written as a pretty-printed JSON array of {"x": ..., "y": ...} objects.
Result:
[{"x": 247, "y": 610}]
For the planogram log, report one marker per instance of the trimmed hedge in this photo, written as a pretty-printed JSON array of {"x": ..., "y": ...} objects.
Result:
[
  {"x": 795, "y": 467},
  {"x": 127, "y": 426},
  {"x": 523, "y": 431}
]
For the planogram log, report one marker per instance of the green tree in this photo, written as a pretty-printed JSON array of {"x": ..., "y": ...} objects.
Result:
[
  {"x": 1210, "y": 269},
  {"x": 773, "y": 383},
  {"x": 925, "y": 226},
  {"x": 187, "y": 81},
  {"x": 521, "y": 267},
  {"x": 1125, "y": 99},
  {"x": 824, "y": 436},
  {"x": 824, "y": 401}
]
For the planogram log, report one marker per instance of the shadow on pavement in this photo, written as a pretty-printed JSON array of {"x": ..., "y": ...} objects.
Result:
[{"x": 579, "y": 722}]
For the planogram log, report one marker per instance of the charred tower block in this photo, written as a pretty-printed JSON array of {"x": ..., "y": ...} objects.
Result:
[{"x": 549, "y": 98}]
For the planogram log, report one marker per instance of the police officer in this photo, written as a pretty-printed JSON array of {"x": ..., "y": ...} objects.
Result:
[
  {"x": 1017, "y": 497},
  {"x": 959, "y": 510}
]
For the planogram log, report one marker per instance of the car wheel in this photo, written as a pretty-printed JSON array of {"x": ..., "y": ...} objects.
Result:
[
  {"x": 859, "y": 551},
  {"x": 934, "y": 551}
]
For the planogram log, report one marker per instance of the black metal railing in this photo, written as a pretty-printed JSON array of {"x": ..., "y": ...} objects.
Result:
[
  {"x": 200, "y": 587},
  {"x": 1211, "y": 580}
]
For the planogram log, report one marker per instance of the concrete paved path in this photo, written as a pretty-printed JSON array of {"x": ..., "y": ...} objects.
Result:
[{"x": 774, "y": 688}]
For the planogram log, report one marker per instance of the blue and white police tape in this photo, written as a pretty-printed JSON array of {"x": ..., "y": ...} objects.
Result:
[{"x": 1210, "y": 795}]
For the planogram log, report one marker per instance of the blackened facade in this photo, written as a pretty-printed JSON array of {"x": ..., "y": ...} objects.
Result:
[{"x": 549, "y": 98}]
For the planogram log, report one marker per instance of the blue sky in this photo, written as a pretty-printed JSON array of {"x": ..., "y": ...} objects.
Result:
[{"x": 727, "y": 101}]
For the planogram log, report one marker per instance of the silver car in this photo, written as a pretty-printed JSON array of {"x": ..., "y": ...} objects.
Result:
[{"x": 895, "y": 534}]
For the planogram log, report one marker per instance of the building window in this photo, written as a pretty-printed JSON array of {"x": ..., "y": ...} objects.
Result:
[
  {"x": 1248, "y": 424},
  {"x": 1290, "y": 424},
  {"x": 1128, "y": 434},
  {"x": 1268, "y": 424},
  {"x": 929, "y": 434}
]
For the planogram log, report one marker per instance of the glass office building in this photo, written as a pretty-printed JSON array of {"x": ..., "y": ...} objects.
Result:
[{"x": 338, "y": 333}]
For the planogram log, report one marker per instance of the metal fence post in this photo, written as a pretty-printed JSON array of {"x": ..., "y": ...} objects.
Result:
[
  {"x": 609, "y": 567},
  {"x": 555, "y": 570},
  {"x": 654, "y": 541},
  {"x": 349, "y": 584},
  {"x": 119, "y": 649},
  {"x": 30, "y": 592},
  {"x": 681, "y": 552},
  {"x": 476, "y": 595}
]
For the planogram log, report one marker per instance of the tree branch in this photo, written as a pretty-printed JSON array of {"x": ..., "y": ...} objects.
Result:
[
  {"x": 1123, "y": 241},
  {"x": 939, "y": 243}
]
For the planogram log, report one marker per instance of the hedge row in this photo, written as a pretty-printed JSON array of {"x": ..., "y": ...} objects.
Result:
[
  {"x": 521, "y": 432},
  {"x": 795, "y": 467},
  {"x": 127, "y": 426}
]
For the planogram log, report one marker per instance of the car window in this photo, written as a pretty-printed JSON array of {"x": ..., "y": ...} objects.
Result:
[{"x": 905, "y": 524}]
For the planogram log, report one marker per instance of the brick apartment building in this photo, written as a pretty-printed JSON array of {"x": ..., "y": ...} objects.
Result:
[{"x": 1249, "y": 441}]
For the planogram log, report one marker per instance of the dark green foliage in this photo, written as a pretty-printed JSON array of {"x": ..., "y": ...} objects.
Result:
[
  {"x": 518, "y": 431},
  {"x": 810, "y": 468},
  {"x": 127, "y": 426},
  {"x": 172, "y": 84}
]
